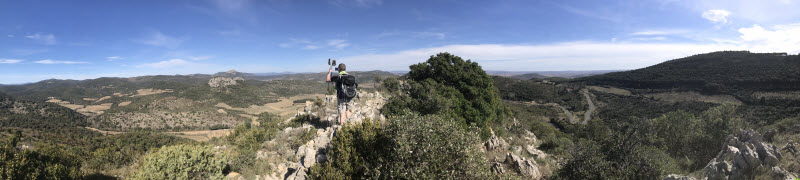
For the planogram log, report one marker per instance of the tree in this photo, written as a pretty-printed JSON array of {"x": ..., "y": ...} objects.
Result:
[{"x": 448, "y": 85}]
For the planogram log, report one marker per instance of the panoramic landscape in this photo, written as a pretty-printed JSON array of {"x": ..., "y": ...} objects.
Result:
[{"x": 239, "y": 89}]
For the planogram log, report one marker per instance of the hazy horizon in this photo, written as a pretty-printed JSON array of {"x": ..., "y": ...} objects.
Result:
[{"x": 66, "y": 40}]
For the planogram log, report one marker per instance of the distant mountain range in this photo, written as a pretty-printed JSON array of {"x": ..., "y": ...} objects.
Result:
[{"x": 546, "y": 74}]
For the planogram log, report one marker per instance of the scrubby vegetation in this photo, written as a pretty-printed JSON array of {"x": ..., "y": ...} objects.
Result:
[
  {"x": 408, "y": 147},
  {"x": 449, "y": 86},
  {"x": 437, "y": 116},
  {"x": 183, "y": 162}
]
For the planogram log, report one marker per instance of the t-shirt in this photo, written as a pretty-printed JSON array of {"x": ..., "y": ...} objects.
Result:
[{"x": 336, "y": 78}]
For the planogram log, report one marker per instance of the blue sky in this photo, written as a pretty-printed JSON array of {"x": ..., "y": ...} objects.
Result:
[{"x": 89, "y": 39}]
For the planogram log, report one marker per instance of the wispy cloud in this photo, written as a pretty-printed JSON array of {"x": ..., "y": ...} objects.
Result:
[
  {"x": 47, "y": 39},
  {"x": 9, "y": 61},
  {"x": 26, "y": 52},
  {"x": 357, "y": 3},
  {"x": 231, "y": 5},
  {"x": 592, "y": 14},
  {"x": 338, "y": 43},
  {"x": 590, "y": 55},
  {"x": 113, "y": 58},
  {"x": 200, "y": 58},
  {"x": 717, "y": 15},
  {"x": 48, "y": 61},
  {"x": 156, "y": 38},
  {"x": 659, "y": 32},
  {"x": 166, "y": 64}
]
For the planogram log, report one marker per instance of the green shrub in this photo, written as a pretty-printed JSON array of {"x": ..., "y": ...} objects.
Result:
[
  {"x": 182, "y": 162},
  {"x": 45, "y": 163},
  {"x": 356, "y": 152},
  {"x": 391, "y": 84},
  {"x": 408, "y": 147},
  {"x": 447, "y": 85}
]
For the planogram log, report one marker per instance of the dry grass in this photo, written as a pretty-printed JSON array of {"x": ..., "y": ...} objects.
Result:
[
  {"x": 124, "y": 103},
  {"x": 101, "y": 99},
  {"x": 283, "y": 107}
]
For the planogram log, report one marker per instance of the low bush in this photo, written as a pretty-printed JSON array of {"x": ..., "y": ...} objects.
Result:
[
  {"x": 408, "y": 147},
  {"x": 182, "y": 162}
]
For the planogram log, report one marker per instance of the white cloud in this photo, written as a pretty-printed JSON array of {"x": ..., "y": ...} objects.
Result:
[
  {"x": 747, "y": 11},
  {"x": 166, "y": 64},
  {"x": 311, "y": 45},
  {"x": 11, "y": 35},
  {"x": 780, "y": 38},
  {"x": 48, "y": 61},
  {"x": 560, "y": 56},
  {"x": 657, "y": 38},
  {"x": 47, "y": 39},
  {"x": 338, "y": 43},
  {"x": 199, "y": 58},
  {"x": 9, "y": 61},
  {"x": 156, "y": 38},
  {"x": 659, "y": 32},
  {"x": 589, "y": 55},
  {"x": 113, "y": 58},
  {"x": 717, "y": 15}
]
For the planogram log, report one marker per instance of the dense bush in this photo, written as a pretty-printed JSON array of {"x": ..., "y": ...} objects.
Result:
[
  {"x": 448, "y": 85},
  {"x": 182, "y": 162},
  {"x": 694, "y": 140},
  {"x": 408, "y": 147},
  {"x": 45, "y": 163}
]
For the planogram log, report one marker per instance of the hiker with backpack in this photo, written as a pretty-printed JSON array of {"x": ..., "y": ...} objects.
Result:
[{"x": 345, "y": 91}]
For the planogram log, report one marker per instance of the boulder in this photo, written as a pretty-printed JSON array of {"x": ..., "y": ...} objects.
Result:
[
  {"x": 497, "y": 168},
  {"x": 527, "y": 168},
  {"x": 741, "y": 156},
  {"x": 678, "y": 177},
  {"x": 790, "y": 147},
  {"x": 495, "y": 143}
]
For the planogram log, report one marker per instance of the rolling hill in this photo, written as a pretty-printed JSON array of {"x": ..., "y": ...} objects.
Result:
[{"x": 712, "y": 72}]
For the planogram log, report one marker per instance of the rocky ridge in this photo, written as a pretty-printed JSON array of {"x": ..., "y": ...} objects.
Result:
[
  {"x": 315, "y": 150},
  {"x": 745, "y": 156}
]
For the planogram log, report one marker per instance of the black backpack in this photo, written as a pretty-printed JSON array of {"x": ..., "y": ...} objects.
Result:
[{"x": 349, "y": 86}]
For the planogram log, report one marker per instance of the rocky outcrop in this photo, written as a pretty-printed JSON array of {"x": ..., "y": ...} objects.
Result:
[
  {"x": 495, "y": 144},
  {"x": 678, "y": 177},
  {"x": 218, "y": 82},
  {"x": 790, "y": 147},
  {"x": 526, "y": 167},
  {"x": 742, "y": 155},
  {"x": 315, "y": 151}
]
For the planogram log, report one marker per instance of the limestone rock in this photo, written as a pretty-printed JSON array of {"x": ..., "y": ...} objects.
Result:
[
  {"x": 218, "y": 82},
  {"x": 678, "y": 177},
  {"x": 527, "y": 168},
  {"x": 495, "y": 143},
  {"x": 790, "y": 147},
  {"x": 535, "y": 152},
  {"x": 497, "y": 168},
  {"x": 741, "y": 156}
]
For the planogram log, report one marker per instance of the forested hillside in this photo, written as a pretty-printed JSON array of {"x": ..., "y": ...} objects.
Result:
[{"x": 712, "y": 72}]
